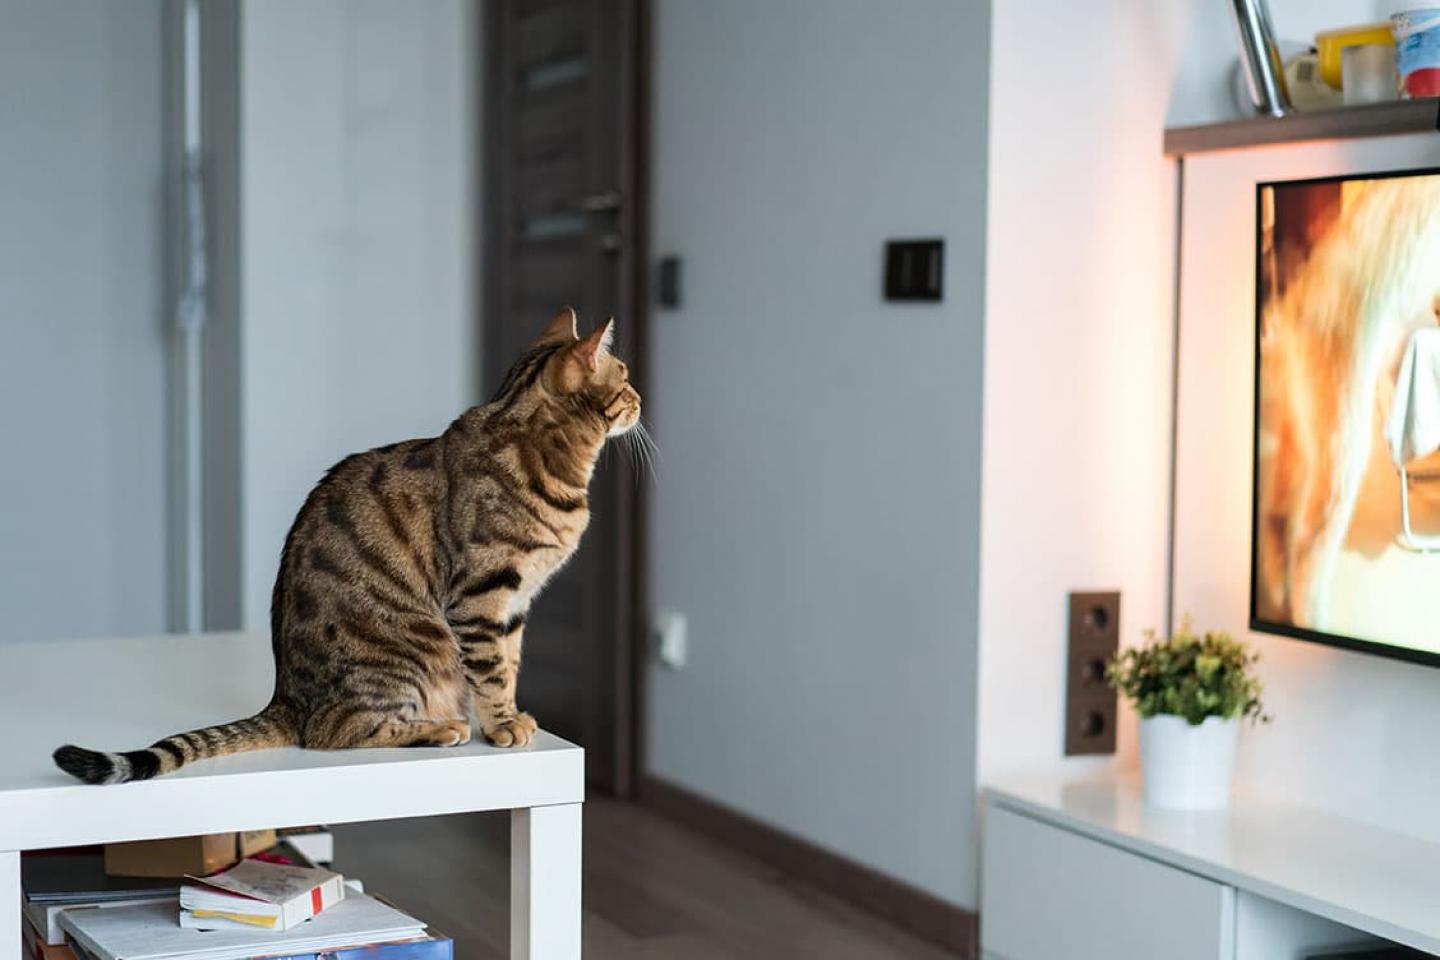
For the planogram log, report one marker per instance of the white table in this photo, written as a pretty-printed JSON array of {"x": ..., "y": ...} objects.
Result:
[{"x": 123, "y": 694}]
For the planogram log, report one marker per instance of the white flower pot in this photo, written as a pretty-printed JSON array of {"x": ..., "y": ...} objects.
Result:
[{"x": 1187, "y": 767}]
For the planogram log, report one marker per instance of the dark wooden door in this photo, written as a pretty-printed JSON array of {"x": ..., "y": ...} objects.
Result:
[{"x": 563, "y": 214}]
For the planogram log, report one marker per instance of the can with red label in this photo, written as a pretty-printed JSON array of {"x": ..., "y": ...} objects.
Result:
[{"x": 1417, "y": 51}]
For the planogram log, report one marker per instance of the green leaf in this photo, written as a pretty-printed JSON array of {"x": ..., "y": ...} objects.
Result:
[{"x": 1189, "y": 675}]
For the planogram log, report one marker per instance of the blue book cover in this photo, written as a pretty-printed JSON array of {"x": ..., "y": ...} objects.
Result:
[{"x": 435, "y": 948}]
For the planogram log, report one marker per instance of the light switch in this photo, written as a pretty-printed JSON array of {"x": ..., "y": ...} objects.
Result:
[
  {"x": 913, "y": 269},
  {"x": 669, "y": 292},
  {"x": 672, "y": 640}
]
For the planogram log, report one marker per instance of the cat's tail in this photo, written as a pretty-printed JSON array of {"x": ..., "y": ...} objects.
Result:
[{"x": 272, "y": 727}]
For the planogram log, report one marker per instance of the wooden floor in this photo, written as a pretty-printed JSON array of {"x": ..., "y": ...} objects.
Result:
[{"x": 651, "y": 890}]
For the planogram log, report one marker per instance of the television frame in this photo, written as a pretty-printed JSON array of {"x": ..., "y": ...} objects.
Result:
[{"x": 1372, "y": 647}]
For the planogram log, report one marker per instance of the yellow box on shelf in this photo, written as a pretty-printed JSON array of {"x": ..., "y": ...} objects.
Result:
[{"x": 1329, "y": 44}]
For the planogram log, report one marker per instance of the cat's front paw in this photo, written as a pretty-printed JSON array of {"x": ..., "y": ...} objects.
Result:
[{"x": 518, "y": 731}]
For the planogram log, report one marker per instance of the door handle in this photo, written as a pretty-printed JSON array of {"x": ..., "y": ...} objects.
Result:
[{"x": 600, "y": 202}]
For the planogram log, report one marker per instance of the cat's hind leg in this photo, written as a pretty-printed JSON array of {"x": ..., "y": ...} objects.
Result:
[
  {"x": 431, "y": 733},
  {"x": 363, "y": 728}
]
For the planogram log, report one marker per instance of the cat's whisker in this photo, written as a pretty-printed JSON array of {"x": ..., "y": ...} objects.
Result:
[
  {"x": 630, "y": 455},
  {"x": 642, "y": 449}
]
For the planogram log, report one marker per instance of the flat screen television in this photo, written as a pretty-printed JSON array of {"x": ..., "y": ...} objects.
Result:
[{"x": 1345, "y": 525}]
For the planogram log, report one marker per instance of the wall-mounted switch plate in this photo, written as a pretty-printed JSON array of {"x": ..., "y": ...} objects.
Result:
[
  {"x": 669, "y": 292},
  {"x": 672, "y": 638},
  {"x": 914, "y": 269},
  {"x": 1090, "y": 705}
]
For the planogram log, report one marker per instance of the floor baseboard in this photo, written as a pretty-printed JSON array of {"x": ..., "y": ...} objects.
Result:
[{"x": 911, "y": 909}]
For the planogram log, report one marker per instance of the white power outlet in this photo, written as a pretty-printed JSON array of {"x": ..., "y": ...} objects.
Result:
[{"x": 672, "y": 638}]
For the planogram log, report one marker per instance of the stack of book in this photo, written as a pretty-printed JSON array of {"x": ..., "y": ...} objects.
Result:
[
  {"x": 152, "y": 932},
  {"x": 277, "y": 906},
  {"x": 258, "y": 895},
  {"x": 53, "y": 882}
]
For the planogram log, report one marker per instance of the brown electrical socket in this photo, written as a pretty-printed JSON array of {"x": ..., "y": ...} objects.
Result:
[{"x": 1090, "y": 704}]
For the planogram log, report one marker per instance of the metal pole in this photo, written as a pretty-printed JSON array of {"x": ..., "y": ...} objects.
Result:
[
  {"x": 190, "y": 328},
  {"x": 1260, "y": 55}
]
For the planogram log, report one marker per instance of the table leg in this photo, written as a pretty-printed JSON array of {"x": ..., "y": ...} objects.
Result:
[
  {"x": 545, "y": 883},
  {"x": 10, "y": 919}
]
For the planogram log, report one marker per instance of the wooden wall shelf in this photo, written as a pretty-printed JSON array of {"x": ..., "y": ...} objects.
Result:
[{"x": 1372, "y": 120}]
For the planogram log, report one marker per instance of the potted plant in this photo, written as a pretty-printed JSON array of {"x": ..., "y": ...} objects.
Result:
[{"x": 1191, "y": 691}]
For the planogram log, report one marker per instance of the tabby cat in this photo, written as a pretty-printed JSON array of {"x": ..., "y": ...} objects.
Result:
[{"x": 407, "y": 575}]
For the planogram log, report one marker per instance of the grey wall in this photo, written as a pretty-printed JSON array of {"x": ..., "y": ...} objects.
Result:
[
  {"x": 358, "y": 204},
  {"x": 816, "y": 513},
  {"x": 82, "y": 356}
]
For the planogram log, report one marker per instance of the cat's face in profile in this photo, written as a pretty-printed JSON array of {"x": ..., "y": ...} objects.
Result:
[
  {"x": 586, "y": 369},
  {"x": 614, "y": 396}
]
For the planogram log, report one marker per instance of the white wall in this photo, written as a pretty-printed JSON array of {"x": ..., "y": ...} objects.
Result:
[
  {"x": 1079, "y": 338},
  {"x": 1353, "y": 734},
  {"x": 1079, "y": 328},
  {"x": 1078, "y": 335},
  {"x": 815, "y": 512},
  {"x": 359, "y": 198},
  {"x": 82, "y": 320}
]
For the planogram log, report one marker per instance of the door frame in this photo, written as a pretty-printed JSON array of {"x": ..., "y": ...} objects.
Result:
[{"x": 627, "y": 699}]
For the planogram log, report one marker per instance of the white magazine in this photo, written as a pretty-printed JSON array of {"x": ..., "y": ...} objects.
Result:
[{"x": 152, "y": 931}]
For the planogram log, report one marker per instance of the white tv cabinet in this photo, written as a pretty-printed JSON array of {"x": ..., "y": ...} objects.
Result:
[
  {"x": 122, "y": 694},
  {"x": 1082, "y": 869}
]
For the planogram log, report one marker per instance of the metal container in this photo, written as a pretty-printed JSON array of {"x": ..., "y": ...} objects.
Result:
[{"x": 1264, "y": 69}]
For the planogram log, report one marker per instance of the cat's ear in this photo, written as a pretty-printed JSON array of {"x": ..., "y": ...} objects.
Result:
[
  {"x": 561, "y": 328},
  {"x": 596, "y": 345}
]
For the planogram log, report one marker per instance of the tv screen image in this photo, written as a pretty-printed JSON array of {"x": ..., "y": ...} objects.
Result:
[{"x": 1346, "y": 511}]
